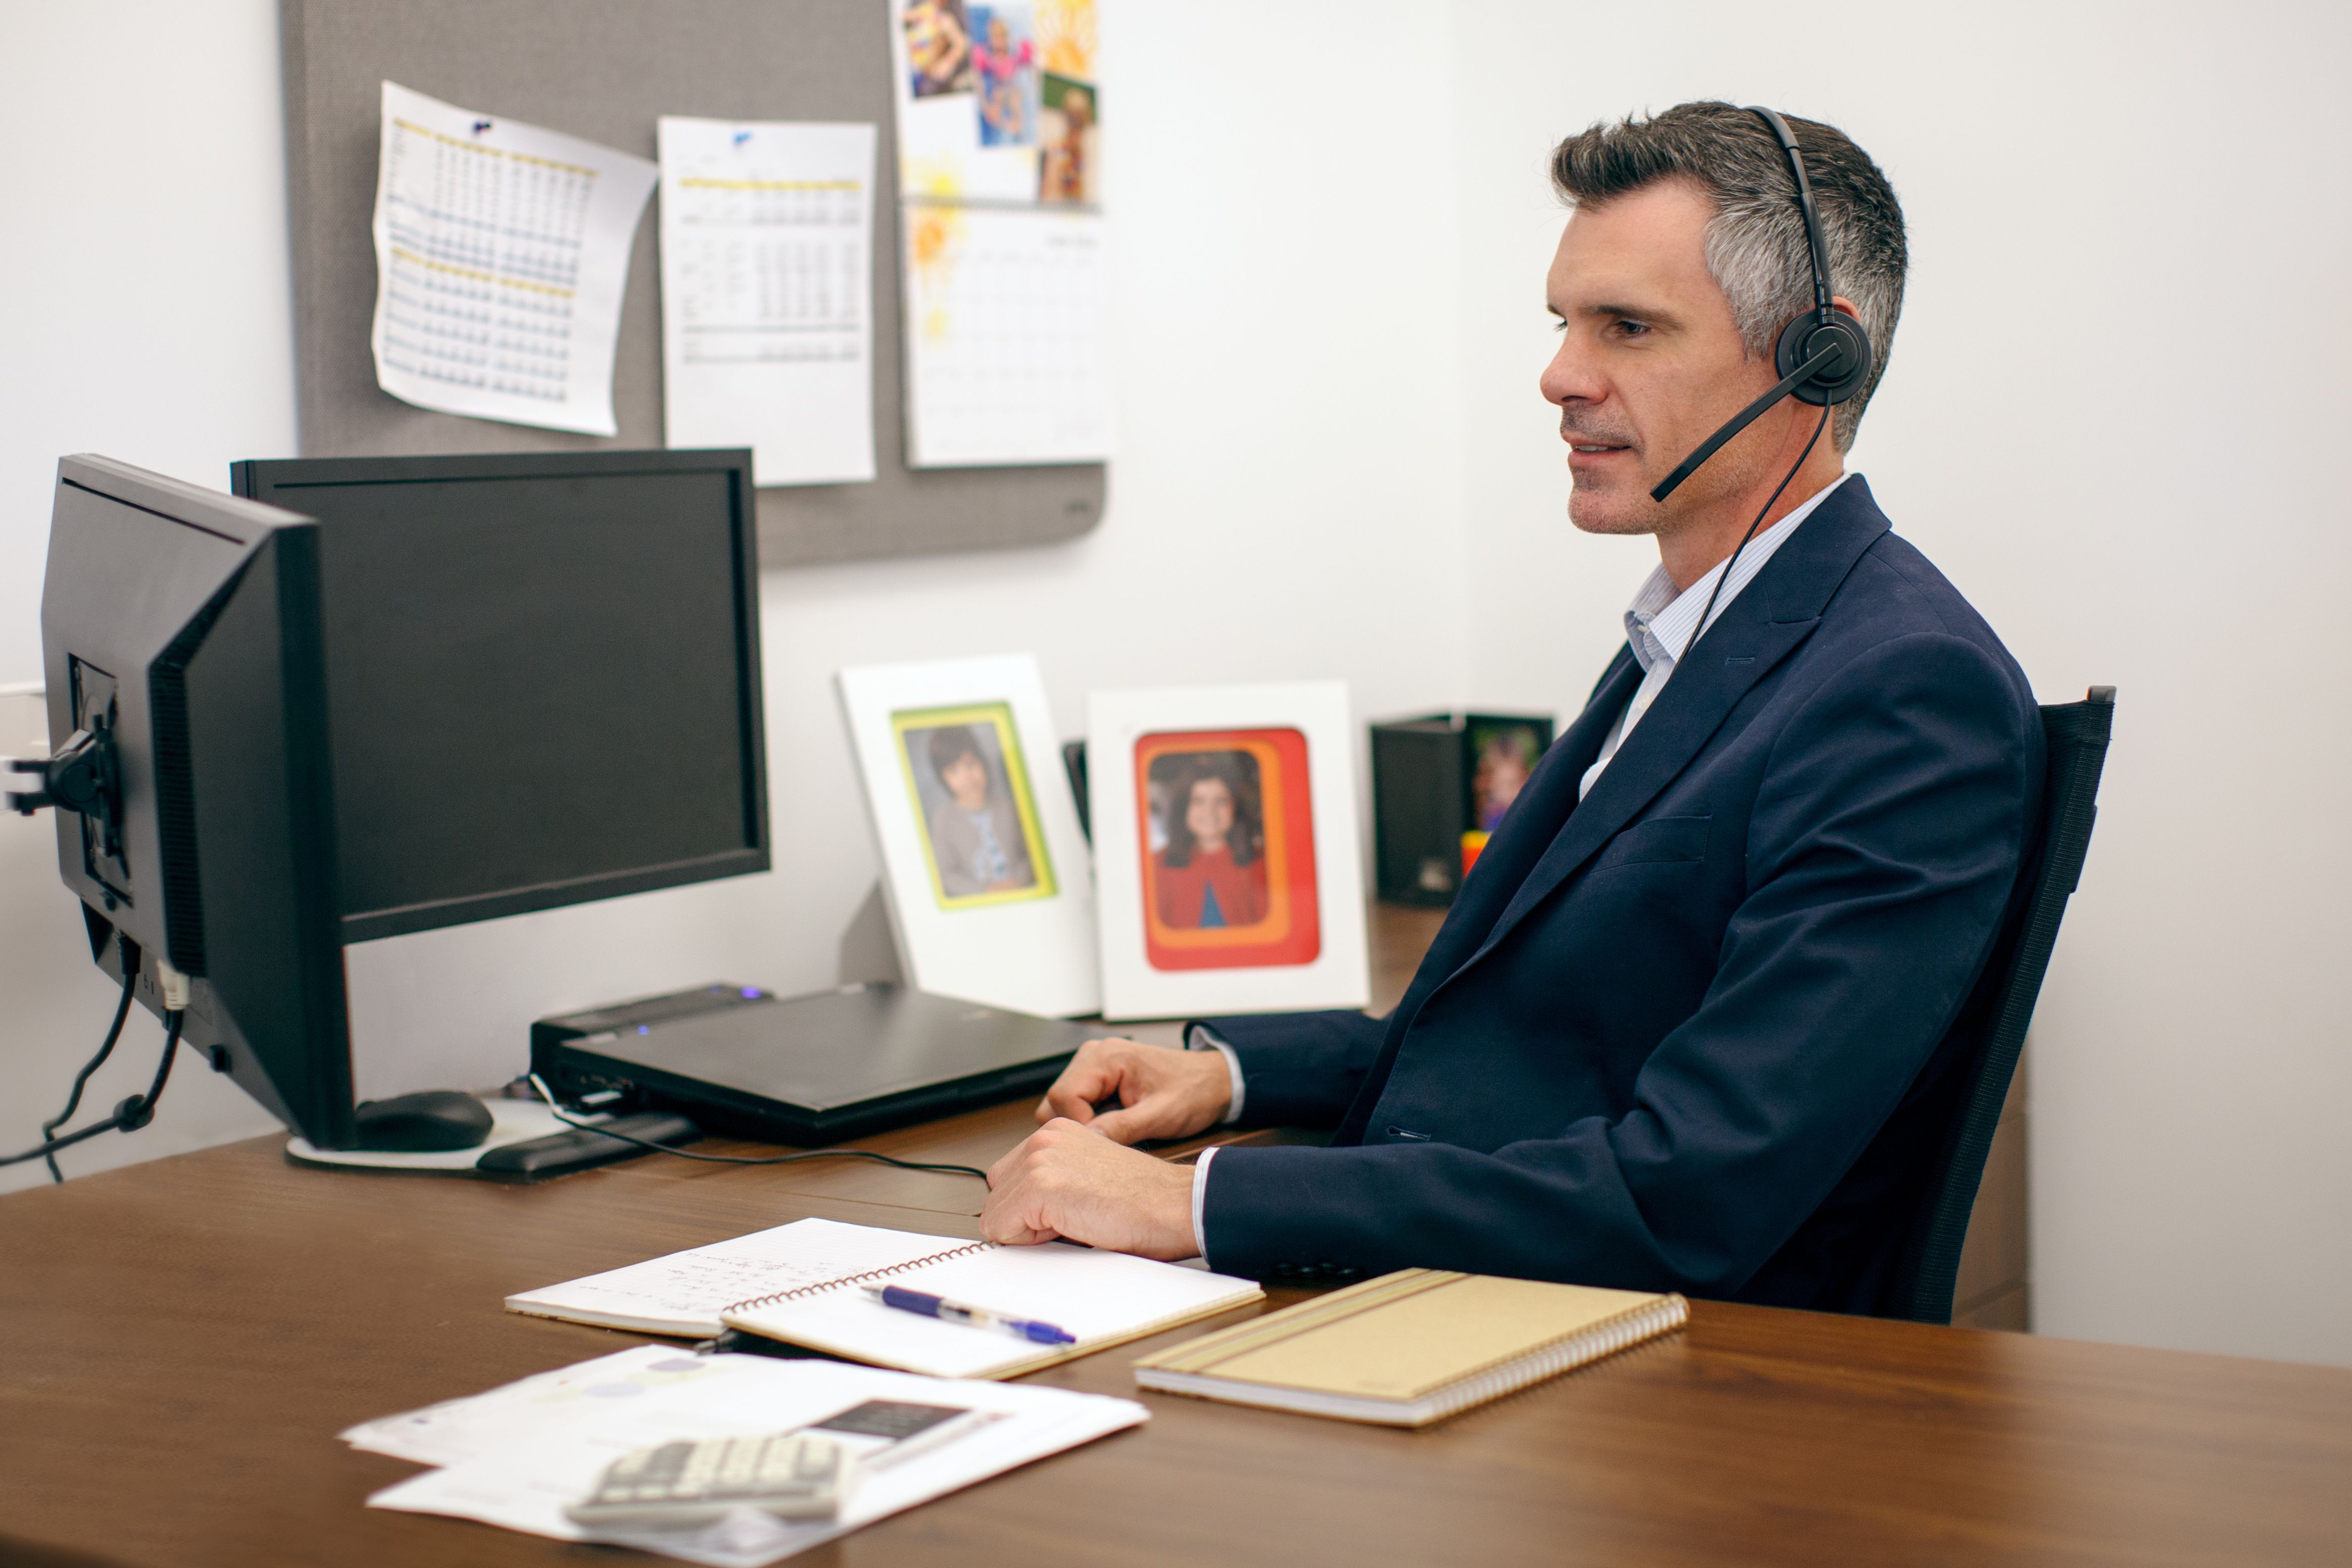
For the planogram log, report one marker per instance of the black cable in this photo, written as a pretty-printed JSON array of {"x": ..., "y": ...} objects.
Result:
[
  {"x": 748, "y": 1158},
  {"x": 1716, "y": 592},
  {"x": 136, "y": 1116},
  {"x": 73, "y": 1100},
  {"x": 130, "y": 1115}
]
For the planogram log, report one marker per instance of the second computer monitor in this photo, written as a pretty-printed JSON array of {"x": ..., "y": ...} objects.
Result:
[{"x": 543, "y": 676}]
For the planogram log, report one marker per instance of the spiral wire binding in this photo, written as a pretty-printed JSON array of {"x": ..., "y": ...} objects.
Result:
[
  {"x": 818, "y": 1289},
  {"x": 1601, "y": 1340}
]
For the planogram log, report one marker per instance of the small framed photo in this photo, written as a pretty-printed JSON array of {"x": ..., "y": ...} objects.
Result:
[
  {"x": 1226, "y": 859},
  {"x": 969, "y": 788},
  {"x": 984, "y": 866}
]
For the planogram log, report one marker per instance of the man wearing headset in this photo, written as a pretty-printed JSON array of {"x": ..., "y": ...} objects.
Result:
[{"x": 1690, "y": 1023}]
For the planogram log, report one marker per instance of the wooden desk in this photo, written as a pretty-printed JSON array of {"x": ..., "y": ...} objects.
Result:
[{"x": 183, "y": 1339}]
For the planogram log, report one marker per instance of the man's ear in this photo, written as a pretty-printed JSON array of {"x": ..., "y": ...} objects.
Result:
[{"x": 1844, "y": 306}]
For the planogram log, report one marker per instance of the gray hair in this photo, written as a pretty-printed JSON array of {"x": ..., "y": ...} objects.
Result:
[{"x": 1755, "y": 246}]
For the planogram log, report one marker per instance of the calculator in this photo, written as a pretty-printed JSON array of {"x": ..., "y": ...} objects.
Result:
[{"x": 794, "y": 1475}]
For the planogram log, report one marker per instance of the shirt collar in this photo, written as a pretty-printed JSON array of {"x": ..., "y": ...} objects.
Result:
[{"x": 1661, "y": 624}]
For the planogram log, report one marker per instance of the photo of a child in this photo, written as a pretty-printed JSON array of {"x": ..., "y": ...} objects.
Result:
[
  {"x": 1066, "y": 129},
  {"x": 1505, "y": 755},
  {"x": 1209, "y": 870},
  {"x": 1227, "y": 844},
  {"x": 939, "y": 47},
  {"x": 1004, "y": 63},
  {"x": 979, "y": 821}
]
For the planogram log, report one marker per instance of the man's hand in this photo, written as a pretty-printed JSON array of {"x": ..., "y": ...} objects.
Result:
[
  {"x": 1162, "y": 1093},
  {"x": 1068, "y": 1181}
]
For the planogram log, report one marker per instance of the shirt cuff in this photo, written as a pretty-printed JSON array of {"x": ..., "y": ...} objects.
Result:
[
  {"x": 1200, "y": 1200},
  {"x": 1201, "y": 1037}
]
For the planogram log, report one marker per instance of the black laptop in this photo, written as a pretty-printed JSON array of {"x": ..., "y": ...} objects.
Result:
[{"x": 809, "y": 1070}]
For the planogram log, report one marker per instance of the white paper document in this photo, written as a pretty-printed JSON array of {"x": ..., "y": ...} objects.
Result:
[
  {"x": 767, "y": 235},
  {"x": 516, "y": 1456},
  {"x": 501, "y": 254},
  {"x": 1008, "y": 351}
]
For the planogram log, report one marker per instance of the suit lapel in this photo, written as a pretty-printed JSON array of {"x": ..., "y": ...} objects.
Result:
[
  {"x": 1534, "y": 821},
  {"x": 1763, "y": 627},
  {"x": 1712, "y": 680},
  {"x": 1547, "y": 801}
]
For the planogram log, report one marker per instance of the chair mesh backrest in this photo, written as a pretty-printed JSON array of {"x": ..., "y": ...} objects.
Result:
[{"x": 2077, "y": 733}]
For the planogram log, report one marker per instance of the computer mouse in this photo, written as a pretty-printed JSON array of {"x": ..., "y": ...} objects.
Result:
[{"x": 427, "y": 1121}]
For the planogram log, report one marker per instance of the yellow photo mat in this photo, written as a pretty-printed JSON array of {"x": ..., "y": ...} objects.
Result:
[{"x": 998, "y": 716}]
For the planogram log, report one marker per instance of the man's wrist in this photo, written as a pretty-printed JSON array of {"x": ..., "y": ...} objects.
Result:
[
  {"x": 1201, "y": 1201},
  {"x": 1201, "y": 1037}
]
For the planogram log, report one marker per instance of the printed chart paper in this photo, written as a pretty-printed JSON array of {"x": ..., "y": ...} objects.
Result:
[
  {"x": 502, "y": 253},
  {"x": 767, "y": 294},
  {"x": 999, "y": 117}
]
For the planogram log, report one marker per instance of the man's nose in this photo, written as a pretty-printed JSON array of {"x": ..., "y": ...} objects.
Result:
[{"x": 1571, "y": 377}]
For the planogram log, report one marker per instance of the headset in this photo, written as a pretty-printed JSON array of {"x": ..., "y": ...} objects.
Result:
[{"x": 1823, "y": 359}]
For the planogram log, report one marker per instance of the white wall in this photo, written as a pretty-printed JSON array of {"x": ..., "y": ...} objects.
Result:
[
  {"x": 1281, "y": 507},
  {"x": 2110, "y": 416},
  {"x": 2119, "y": 365},
  {"x": 148, "y": 315}
]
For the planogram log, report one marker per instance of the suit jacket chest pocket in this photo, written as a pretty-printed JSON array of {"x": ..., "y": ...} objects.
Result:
[{"x": 1662, "y": 841}]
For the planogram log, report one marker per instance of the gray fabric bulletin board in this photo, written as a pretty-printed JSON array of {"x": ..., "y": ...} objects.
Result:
[{"x": 606, "y": 69}]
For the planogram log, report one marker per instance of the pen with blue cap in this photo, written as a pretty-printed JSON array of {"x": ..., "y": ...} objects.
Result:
[{"x": 939, "y": 1306}]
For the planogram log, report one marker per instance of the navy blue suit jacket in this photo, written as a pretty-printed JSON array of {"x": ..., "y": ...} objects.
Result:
[{"x": 1690, "y": 1033}]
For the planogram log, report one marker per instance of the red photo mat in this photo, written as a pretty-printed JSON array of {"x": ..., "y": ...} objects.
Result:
[{"x": 1290, "y": 931}]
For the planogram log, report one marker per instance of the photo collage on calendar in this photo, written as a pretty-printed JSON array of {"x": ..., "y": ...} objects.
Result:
[
  {"x": 1004, "y": 265},
  {"x": 1004, "y": 100}
]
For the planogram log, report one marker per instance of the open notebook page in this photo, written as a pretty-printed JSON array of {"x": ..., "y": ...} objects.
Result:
[
  {"x": 1102, "y": 1298},
  {"x": 685, "y": 1292}
]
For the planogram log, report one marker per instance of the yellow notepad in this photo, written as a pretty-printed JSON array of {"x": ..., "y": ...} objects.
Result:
[{"x": 1413, "y": 1347}]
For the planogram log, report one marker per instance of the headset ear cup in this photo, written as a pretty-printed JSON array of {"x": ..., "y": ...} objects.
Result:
[{"x": 1806, "y": 336}]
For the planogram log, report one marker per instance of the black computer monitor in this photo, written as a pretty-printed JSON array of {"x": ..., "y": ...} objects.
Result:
[
  {"x": 544, "y": 670},
  {"x": 413, "y": 692},
  {"x": 181, "y": 635}
]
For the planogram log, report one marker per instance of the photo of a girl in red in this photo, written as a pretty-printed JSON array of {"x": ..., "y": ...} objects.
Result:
[{"x": 1212, "y": 871}]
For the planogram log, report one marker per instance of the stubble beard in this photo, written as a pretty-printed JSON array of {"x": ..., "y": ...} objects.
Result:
[
  {"x": 1596, "y": 506},
  {"x": 1623, "y": 507},
  {"x": 1617, "y": 503}
]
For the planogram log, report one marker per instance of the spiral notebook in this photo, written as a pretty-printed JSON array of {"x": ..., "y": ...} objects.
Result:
[
  {"x": 799, "y": 1283},
  {"x": 1413, "y": 1347}
]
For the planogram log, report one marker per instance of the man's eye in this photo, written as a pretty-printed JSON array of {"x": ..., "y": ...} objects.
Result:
[{"x": 1632, "y": 329}]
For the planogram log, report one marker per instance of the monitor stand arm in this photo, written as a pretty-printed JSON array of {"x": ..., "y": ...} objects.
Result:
[{"x": 83, "y": 777}]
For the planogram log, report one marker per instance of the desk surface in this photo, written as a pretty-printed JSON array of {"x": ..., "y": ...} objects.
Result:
[{"x": 184, "y": 1338}]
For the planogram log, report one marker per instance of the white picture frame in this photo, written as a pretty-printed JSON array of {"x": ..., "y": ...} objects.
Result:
[
  {"x": 1289, "y": 937},
  {"x": 992, "y": 903}
]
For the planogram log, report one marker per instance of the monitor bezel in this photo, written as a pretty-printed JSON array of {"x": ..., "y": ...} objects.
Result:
[{"x": 283, "y": 482}]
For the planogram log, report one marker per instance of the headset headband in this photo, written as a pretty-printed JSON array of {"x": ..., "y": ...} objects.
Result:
[
  {"x": 1813, "y": 241},
  {"x": 1824, "y": 358}
]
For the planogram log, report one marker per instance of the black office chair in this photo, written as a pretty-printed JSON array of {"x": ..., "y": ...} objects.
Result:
[{"x": 2077, "y": 733}]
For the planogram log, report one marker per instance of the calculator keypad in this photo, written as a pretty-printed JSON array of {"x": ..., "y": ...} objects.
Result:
[{"x": 794, "y": 1475}]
